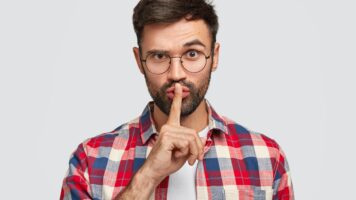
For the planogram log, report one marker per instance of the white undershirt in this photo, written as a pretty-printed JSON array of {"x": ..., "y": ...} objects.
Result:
[{"x": 181, "y": 184}]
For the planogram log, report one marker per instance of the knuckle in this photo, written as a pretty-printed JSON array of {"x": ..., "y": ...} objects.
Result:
[
  {"x": 194, "y": 154},
  {"x": 173, "y": 109},
  {"x": 190, "y": 138},
  {"x": 164, "y": 136},
  {"x": 164, "y": 128},
  {"x": 193, "y": 158},
  {"x": 192, "y": 131}
]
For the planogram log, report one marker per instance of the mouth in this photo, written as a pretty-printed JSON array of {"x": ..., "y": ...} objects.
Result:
[{"x": 170, "y": 92}]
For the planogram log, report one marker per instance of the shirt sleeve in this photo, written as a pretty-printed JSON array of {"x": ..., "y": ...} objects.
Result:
[
  {"x": 282, "y": 184},
  {"x": 76, "y": 184}
]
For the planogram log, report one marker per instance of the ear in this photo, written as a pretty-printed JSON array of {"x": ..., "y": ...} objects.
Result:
[
  {"x": 216, "y": 56},
  {"x": 137, "y": 55}
]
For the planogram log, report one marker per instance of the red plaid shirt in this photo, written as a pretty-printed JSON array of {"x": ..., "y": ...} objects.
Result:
[{"x": 238, "y": 163}]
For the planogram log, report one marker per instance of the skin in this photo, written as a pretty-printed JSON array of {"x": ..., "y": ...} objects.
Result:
[
  {"x": 172, "y": 37},
  {"x": 178, "y": 141}
]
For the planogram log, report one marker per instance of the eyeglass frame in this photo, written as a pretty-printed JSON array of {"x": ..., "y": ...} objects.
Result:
[{"x": 180, "y": 59}]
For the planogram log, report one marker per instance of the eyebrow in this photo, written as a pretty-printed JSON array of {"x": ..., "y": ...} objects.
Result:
[
  {"x": 194, "y": 42},
  {"x": 187, "y": 44},
  {"x": 157, "y": 51}
]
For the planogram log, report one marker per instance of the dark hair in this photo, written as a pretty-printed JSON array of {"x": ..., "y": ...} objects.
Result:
[{"x": 170, "y": 11}]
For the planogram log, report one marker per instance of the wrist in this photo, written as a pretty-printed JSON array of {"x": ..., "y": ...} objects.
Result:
[
  {"x": 149, "y": 173},
  {"x": 141, "y": 186},
  {"x": 147, "y": 177}
]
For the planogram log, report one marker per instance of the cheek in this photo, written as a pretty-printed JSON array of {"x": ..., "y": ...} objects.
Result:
[
  {"x": 201, "y": 79},
  {"x": 154, "y": 83}
]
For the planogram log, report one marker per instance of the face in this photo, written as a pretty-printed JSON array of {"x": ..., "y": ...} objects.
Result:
[{"x": 182, "y": 38}]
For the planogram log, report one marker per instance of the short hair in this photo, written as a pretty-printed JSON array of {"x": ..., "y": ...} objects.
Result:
[{"x": 169, "y": 11}]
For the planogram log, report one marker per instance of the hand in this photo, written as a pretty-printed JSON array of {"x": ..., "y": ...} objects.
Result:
[{"x": 175, "y": 144}]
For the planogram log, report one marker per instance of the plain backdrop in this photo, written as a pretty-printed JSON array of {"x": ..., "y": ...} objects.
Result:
[{"x": 287, "y": 69}]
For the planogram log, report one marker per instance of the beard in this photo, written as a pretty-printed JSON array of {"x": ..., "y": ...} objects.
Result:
[{"x": 189, "y": 104}]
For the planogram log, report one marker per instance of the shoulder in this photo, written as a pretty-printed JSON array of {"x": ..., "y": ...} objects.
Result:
[
  {"x": 257, "y": 152},
  {"x": 116, "y": 139},
  {"x": 252, "y": 141}
]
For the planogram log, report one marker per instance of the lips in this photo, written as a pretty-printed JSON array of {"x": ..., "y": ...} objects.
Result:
[
  {"x": 171, "y": 95},
  {"x": 170, "y": 92}
]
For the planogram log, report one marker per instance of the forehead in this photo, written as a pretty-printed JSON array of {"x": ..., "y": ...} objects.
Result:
[{"x": 175, "y": 35}]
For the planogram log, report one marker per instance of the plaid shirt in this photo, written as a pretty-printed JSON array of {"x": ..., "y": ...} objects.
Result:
[{"x": 238, "y": 163}]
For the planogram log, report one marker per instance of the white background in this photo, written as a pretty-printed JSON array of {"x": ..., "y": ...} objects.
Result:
[{"x": 287, "y": 69}]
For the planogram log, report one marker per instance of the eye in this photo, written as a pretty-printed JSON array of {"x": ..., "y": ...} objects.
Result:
[
  {"x": 158, "y": 56},
  {"x": 192, "y": 54}
]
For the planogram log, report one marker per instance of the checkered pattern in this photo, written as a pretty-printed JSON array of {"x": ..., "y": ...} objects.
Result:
[{"x": 238, "y": 164}]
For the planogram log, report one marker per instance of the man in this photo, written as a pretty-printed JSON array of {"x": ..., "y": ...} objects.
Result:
[{"x": 179, "y": 148}]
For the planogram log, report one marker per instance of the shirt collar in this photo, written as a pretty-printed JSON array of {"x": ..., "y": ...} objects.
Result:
[{"x": 147, "y": 126}]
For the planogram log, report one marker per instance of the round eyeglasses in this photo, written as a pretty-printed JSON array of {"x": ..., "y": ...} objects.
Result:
[{"x": 158, "y": 62}]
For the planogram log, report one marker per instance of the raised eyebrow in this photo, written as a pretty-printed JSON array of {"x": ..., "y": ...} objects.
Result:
[
  {"x": 194, "y": 42},
  {"x": 155, "y": 51}
]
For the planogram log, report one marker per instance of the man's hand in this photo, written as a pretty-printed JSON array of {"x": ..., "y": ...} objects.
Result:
[{"x": 175, "y": 145}]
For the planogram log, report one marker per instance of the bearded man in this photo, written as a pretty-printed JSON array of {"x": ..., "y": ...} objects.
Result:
[{"x": 179, "y": 147}]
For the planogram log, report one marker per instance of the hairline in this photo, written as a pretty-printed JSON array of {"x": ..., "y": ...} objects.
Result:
[{"x": 212, "y": 42}]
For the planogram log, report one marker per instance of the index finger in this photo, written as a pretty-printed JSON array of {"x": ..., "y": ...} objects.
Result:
[{"x": 174, "y": 114}]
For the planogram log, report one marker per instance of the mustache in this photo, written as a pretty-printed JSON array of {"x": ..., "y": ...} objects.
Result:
[{"x": 187, "y": 84}]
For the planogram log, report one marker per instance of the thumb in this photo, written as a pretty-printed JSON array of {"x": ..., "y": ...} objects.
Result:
[{"x": 203, "y": 140}]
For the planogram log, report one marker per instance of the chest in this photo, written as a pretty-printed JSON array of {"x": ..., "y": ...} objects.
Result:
[{"x": 226, "y": 172}]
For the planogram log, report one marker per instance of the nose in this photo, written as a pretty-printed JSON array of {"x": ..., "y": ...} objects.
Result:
[{"x": 176, "y": 71}]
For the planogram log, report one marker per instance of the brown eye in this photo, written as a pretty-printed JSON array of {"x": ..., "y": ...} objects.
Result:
[
  {"x": 159, "y": 56},
  {"x": 192, "y": 54}
]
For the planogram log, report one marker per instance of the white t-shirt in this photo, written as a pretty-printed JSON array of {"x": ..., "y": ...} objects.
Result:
[{"x": 181, "y": 184}]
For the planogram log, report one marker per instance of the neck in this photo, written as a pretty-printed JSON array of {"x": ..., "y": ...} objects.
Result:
[{"x": 198, "y": 120}]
